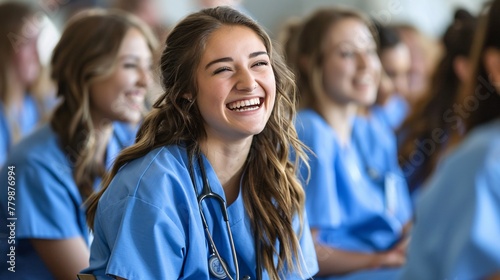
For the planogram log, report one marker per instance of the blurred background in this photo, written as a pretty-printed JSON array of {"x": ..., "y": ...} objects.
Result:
[{"x": 431, "y": 17}]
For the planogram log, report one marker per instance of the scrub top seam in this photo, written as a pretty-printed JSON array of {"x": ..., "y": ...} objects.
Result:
[{"x": 136, "y": 188}]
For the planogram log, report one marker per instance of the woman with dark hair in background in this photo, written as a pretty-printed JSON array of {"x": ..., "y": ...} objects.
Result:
[
  {"x": 391, "y": 106},
  {"x": 425, "y": 133},
  {"x": 458, "y": 214}
]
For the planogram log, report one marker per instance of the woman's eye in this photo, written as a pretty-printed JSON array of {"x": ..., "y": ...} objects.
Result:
[
  {"x": 220, "y": 70},
  {"x": 346, "y": 54},
  {"x": 372, "y": 51},
  {"x": 261, "y": 63},
  {"x": 129, "y": 65}
]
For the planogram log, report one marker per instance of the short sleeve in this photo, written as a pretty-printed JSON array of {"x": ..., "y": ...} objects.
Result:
[
  {"x": 309, "y": 261},
  {"x": 47, "y": 201},
  {"x": 457, "y": 222},
  {"x": 481, "y": 253},
  {"x": 146, "y": 242},
  {"x": 319, "y": 181},
  {"x": 4, "y": 138}
]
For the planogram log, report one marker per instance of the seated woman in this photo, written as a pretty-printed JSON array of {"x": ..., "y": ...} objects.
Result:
[
  {"x": 102, "y": 67},
  {"x": 391, "y": 106},
  {"x": 22, "y": 108},
  {"x": 209, "y": 191},
  {"x": 425, "y": 134},
  {"x": 458, "y": 214},
  {"x": 357, "y": 214}
]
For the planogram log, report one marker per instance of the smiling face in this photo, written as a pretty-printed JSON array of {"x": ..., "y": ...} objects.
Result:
[
  {"x": 396, "y": 62},
  {"x": 236, "y": 84},
  {"x": 26, "y": 59},
  {"x": 351, "y": 67},
  {"x": 120, "y": 96}
]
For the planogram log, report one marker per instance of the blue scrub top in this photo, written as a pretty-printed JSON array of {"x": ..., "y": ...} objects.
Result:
[
  {"x": 356, "y": 196},
  {"x": 393, "y": 113},
  {"x": 148, "y": 225},
  {"x": 47, "y": 201},
  {"x": 27, "y": 120},
  {"x": 125, "y": 133},
  {"x": 457, "y": 230}
]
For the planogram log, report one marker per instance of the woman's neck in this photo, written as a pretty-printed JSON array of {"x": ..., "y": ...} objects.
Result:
[
  {"x": 339, "y": 117},
  {"x": 102, "y": 135},
  {"x": 15, "y": 94},
  {"x": 228, "y": 161}
]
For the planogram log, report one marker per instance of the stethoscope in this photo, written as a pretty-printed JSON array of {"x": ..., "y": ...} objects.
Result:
[
  {"x": 385, "y": 178},
  {"x": 216, "y": 265}
]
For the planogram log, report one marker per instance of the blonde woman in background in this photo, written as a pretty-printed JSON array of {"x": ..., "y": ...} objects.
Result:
[
  {"x": 102, "y": 67},
  {"x": 21, "y": 109}
]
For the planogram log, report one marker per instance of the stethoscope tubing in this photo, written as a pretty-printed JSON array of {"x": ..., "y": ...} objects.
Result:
[{"x": 208, "y": 193}]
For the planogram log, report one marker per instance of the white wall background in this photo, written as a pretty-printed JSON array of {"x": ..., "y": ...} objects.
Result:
[{"x": 431, "y": 16}]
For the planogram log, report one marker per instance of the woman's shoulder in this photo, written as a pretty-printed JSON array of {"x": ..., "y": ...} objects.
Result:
[
  {"x": 158, "y": 176},
  {"x": 313, "y": 130},
  {"x": 164, "y": 157},
  {"x": 40, "y": 147},
  {"x": 481, "y": 145},
  {"x": 308, "y": 119}
]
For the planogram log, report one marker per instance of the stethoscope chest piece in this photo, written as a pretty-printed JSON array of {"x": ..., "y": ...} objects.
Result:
[{"x": 215, "y": 267}]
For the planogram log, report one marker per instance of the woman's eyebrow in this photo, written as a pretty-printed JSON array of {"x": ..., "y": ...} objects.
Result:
[
  {"x": 224, "y": 59},
  {"x": 229, "y": 59}
]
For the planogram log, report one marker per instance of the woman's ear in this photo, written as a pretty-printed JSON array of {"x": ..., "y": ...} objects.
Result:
[
  {"x": 461, "y": 66},
  {"x": 188, "y": 97},
  {"x": 491, "y": 61},
  {"x": 304, "y": 63}
]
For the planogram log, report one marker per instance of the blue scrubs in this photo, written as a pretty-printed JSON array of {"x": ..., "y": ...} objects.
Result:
[
  {"x": 47, "y": 201},
  {"x": 457, "y": 229},
  {"x": 148, "y": 225},
  {"x": 125, "y": 133},
  {"x": 26, "y": 120},
  {"x": 393, "y": 113},
  {"x": 357, "y": 198}
]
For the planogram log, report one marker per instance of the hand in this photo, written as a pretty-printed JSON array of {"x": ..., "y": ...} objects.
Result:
[
  {"x": 402, "y": 245},
  {"x": 393, "y": 258}
]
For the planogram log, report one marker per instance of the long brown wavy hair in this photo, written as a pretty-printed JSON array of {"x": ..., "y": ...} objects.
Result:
[
  {"x": 86, "y": 52},
  {"x": 271, "y": 191},
  {"x": 480, "y": 87},
  {"x": 429, "y": 112}
]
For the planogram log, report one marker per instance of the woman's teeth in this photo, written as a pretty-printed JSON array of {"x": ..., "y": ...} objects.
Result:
[{"x": 244, "y": 105}]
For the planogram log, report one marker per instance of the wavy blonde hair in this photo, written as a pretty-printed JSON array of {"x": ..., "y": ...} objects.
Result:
[
  {"x": 14, "y": 17},
  {"x": 86, "y": 52},
  {"x": 271, "y": 191}
]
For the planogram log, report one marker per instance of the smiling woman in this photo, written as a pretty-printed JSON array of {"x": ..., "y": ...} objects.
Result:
[
  {"x": 212, "y": 161},
  {"x": 357, "y": 199},
  {"x": 102, "y": 67},
  {"x": 22, "y": 109},
  {"x": 231, "y": 85}
]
